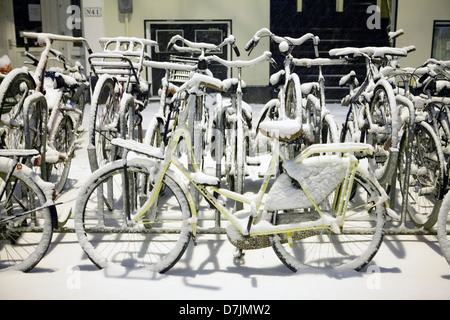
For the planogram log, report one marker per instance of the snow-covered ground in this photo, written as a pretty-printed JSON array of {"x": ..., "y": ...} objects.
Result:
[{"x": 406, "y": 267}]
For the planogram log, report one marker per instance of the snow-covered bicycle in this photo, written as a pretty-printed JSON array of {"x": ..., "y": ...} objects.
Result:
[
  {"x": 422, "y": 168},
  {"x": 27, "y": 212},
  {"x": 296, "y": 102},
  {"x": 119, "y": 95},
  {"x": 24, "y": 113},
  {"x": 233, "y": 125},
  {"x": 372, "y": 110},
  {"x": 199, "y": 120},
  {"x": 308, "y": 216}
]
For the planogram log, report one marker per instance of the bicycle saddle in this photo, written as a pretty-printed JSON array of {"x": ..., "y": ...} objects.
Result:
[{"x": 18, "y": 153}]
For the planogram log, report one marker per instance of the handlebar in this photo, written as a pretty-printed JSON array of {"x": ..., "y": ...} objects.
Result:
[
  {"x": 48, "y": 38},
  {"x": 369, "y": 52},
  {"x": 201, "y": 47},
  {"x": 266, "y": 56},
  {"x": 264, "y": 32},
  {"x": 441, "y": 63},
  {"x": 395, "y": 34}
]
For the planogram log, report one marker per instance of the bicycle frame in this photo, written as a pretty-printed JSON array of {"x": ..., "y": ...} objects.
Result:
[{"x": 206, "y": 186}]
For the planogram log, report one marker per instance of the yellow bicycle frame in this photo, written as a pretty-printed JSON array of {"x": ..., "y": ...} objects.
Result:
[{"x": 341, "y": 200}]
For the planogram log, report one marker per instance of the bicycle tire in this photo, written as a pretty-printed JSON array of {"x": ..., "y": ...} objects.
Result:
[
  {"x": 443, "y": 221},
  {"x": 379, "y": 132},
  {"x": 329, "y": 130},
  {"x": 104, "y": 122},
  {"x": 294, "y": 109},
  {"x": 12, "y": 89},
  {"x": 327, "y": 250},
  {"x": 25, "y": 237},
  {"x": 63, "y": 141},
  {"x": 239, "y": 156},
  {"x": 154, "y": 135},
  {"x": 108, "y": 239},
  {"x": 427, "y": 178},
  {"x": 15, "y": 88}
]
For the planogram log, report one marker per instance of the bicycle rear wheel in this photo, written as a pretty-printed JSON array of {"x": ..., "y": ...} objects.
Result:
[
  {"x": 156, "y": 242},
  {"x": 426, "y": 179},
  {"x": 25, "y": 224},
  {"x": 63, "y": 141},
  {"x": 361, "y": 234}
]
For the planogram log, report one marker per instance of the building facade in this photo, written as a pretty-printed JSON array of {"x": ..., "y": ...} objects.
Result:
[{"x": 338, "y": 23}]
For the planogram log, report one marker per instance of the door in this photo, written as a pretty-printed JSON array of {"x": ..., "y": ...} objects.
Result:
[{"x": 50, "y": 16}]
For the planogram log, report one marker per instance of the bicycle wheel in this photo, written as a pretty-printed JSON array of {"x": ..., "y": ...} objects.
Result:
[
  {"x": 62, "y": 139},
  {"x": 15, "y": 89},
  {"x": 155, "y": 242},
  {"x": 379, "y": 131},
  {"x": 349, "y": 129},
  {"x": 443, "y": 130},
  {"x": 104, "y": 122},
  {"x": 239, "y": 154},
  {"x": 154, "y": 134},
  {"x": 329, "y": 130},
  {"x": 442, "y": 227},
  {"x": 293, "y": 110},
  {"x": 25, "y": 225},
  {"x": 361, "y": 234},
  {"x": 426, "y": 179}
]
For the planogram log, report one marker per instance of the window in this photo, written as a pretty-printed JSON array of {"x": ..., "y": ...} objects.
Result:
[
  {"x": 209, "y": 36},
  {"x": 163, "y": 37},
  {"x": 441, "y": 40}
]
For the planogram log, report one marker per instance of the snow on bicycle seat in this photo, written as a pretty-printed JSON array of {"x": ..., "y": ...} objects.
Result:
[
  {"x": 138, "y": 147},
  {"x": 284, "y": 130},
  {"x": 369, "y": 51},
  {"x": 18, "y": 153}
]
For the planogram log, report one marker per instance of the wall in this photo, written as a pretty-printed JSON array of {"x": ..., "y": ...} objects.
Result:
[{"x": 416, "y": 18}]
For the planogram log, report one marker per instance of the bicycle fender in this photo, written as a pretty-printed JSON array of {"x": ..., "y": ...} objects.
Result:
[
  {"x": 274, "y": 103},
  {"x": 160, "y": 120}
]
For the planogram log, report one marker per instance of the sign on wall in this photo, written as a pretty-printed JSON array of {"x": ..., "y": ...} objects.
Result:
[{"x": 93, "y": 12}]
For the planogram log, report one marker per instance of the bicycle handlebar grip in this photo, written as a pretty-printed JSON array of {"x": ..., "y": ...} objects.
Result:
[
  {"x": 250, "y": 46},
  {"x": 236, "y": 50},
  {"x": 273, "y": 63}
]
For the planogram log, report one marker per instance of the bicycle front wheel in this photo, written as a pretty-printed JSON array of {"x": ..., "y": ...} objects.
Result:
[
  {"x": 104, "y": 122},
  {"x": 426, "y": 178},
  {"x": 25, "y": 223},
  {"x": 380, "y": 128},
  {"x": 360, "y": 238},
  {"x": 103, "y": 219},
  {"x": 442, "y": 227}
]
